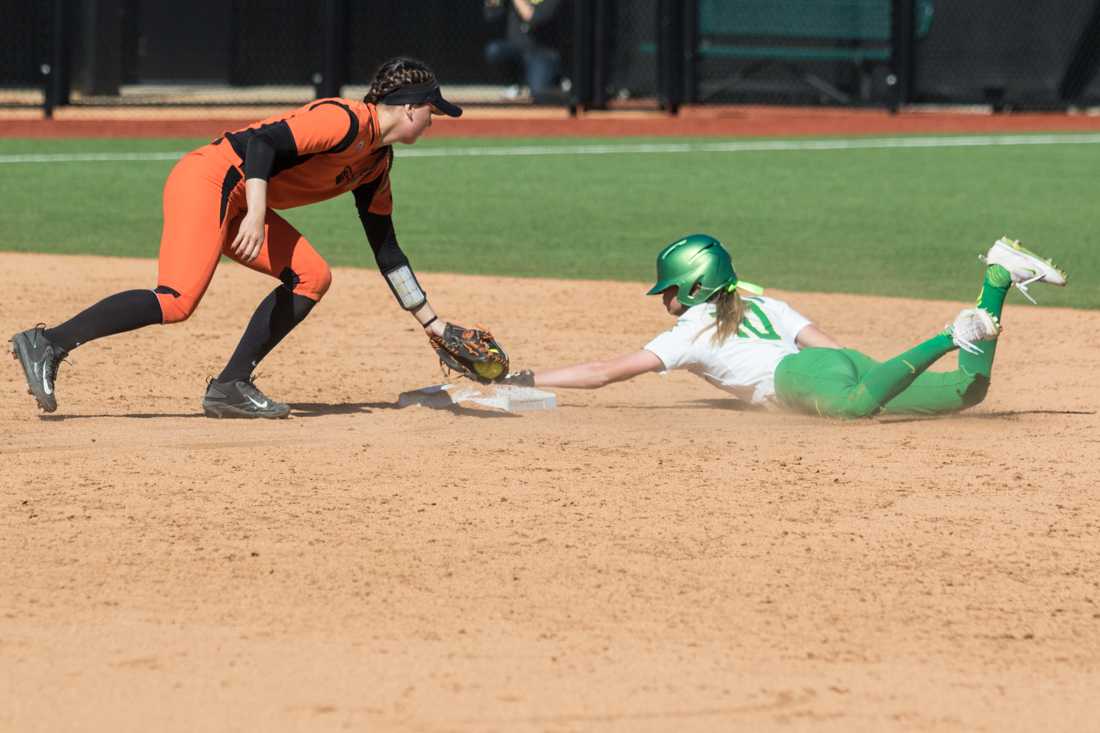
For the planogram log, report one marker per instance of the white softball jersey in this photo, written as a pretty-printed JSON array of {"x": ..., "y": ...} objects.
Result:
[{"x": 744, "y": 364}]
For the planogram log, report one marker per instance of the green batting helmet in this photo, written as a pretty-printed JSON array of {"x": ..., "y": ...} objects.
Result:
[{"x": 698, "y": 265}]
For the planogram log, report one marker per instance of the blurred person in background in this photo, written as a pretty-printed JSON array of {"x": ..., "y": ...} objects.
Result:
[{"x": 528, "y": 43}]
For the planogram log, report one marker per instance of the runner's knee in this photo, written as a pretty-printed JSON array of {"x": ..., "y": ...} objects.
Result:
[
  {"x": 976, "y": 391},
  {"x": 860, "y": 403},
  {"x": 174, "y": 307}
]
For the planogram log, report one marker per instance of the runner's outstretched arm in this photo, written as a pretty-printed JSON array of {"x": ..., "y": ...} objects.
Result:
[{"x": 595, "y": 374}]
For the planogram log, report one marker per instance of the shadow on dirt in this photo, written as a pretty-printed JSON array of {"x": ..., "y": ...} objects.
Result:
[
  {"x": 319, "y": 409},
  {"x": 127, "y": 415},
  {"x": 731, "y": 404},
  {"x": 1000, "y": 415},
  {"x": 297, "y": 409}
]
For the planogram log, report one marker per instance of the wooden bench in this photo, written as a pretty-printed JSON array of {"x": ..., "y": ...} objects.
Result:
[{"x": 793, "y": 32}]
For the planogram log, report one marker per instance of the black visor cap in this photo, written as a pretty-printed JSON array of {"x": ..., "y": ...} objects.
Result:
[{"x": 422, "y": 94}]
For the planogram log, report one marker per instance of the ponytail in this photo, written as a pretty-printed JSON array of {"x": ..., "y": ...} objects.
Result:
[
  {"x": 729, "y": 311},
  {"x": 728, "y": 314}
]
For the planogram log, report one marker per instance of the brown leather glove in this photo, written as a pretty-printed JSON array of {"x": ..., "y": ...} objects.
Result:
[{"x": 472, "y": 352}]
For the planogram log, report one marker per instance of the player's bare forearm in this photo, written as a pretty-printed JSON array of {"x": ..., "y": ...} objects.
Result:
[
  {"x": 580, "y": 376},
  {"x": 596, "y": 374},
  {"x": 255, "y": 193},
  {"x": 250, "y": 232},
  {"x": 429, "y": 320}
]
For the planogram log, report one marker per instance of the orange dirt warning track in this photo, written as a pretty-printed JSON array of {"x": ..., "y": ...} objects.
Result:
[
  {"x": 644, "y": 558},
  {"x": 550, "y": 122}
]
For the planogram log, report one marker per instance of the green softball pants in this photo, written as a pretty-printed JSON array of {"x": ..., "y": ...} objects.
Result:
[{"x": 845, "y": 383}]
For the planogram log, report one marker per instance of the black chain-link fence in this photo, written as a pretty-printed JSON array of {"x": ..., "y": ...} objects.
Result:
[
  {"x": 264, "y": 52},
  {"x": 632, "y": 57},
  {"x": 588, "y": 53},
  {"x": 1011, "y": 53},
  {"x": 24, "y": 51},
  {"x": 1007, "y": 53}
]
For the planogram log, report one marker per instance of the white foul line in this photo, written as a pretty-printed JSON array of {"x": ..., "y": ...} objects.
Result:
[
  {"x": 748, "y": 146},
  {"x": 86, "y": 157},
  {"x": 740, "y": 146}
]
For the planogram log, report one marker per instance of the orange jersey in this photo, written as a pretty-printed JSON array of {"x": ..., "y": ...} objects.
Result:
[{"x": 321, "y": 150}]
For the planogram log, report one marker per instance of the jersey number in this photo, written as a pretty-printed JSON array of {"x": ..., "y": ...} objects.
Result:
[{"x": 748, "y": 329}]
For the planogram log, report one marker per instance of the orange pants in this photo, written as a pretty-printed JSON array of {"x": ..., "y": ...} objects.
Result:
[{"x": 204, "y": 202}]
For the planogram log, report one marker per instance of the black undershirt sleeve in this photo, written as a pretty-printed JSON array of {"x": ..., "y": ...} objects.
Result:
[
  {"x": 393, "y": 263},
  {"x": 264, "y": 146},
  {"x": 380, "y": 233}
]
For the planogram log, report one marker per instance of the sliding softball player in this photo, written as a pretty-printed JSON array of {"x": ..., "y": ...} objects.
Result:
[{"x": 764, "y": 352}]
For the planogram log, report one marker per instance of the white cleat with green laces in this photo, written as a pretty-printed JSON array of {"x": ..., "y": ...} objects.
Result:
[{"x": 1025, "y": 267}]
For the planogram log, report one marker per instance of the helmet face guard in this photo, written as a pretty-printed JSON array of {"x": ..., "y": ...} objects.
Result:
[{"x": 698, "y": 265}]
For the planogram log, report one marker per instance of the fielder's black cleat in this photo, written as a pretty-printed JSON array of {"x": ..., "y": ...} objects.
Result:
[
  {"x": 240, "y": 399},
  {"x": 40, "y": 358}
]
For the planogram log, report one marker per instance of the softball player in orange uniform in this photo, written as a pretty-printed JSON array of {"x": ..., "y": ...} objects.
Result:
[{"x": 221, "y": 199}]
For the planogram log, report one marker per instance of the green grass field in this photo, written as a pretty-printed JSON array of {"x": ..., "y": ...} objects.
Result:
[{"x": 903, "y": 222}]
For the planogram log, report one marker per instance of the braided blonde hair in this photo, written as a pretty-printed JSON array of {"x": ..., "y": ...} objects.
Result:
[{"x": 397, "y": 73}]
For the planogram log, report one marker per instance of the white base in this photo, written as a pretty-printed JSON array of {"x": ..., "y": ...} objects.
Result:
[{"x": 507, "y": 399}]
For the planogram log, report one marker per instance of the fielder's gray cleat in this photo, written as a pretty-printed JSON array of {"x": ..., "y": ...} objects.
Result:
[
  {"x": 240, "y": 399},
  {"x": 40, "y": 358}
]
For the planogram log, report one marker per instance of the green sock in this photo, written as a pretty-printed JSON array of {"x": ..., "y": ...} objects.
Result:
[
  {"x": 994, "y": 289},
  {"x": 991, "y": 299}
]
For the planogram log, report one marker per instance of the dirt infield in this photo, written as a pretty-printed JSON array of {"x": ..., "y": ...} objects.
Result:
[{"x": 646, "y": 557}]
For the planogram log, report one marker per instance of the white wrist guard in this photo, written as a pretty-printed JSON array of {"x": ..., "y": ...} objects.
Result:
[{"x": 405, "y": 288}]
